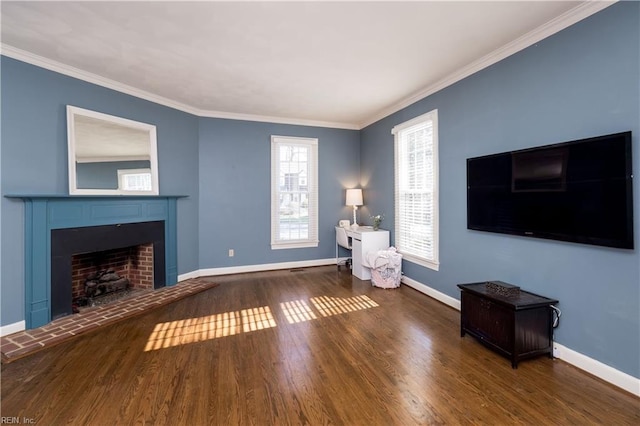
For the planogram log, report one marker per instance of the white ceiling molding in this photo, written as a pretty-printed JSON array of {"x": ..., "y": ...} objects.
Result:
[
  {"x": 580, "y": 12},
  {"x": 279, "y": 120},
  {"x": 39, "y": 61},
  {"x": 51, "y": 65},
  {"x": 577, "y": 14}
]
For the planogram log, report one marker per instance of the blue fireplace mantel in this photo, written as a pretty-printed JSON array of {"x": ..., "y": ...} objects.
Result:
[{"x": 44, "y": 213}]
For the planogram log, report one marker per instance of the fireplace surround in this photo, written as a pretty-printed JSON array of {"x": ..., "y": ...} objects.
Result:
[{"x": 47, "y": 215}]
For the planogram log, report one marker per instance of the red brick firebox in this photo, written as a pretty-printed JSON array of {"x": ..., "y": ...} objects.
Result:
[{"x": 134, "y": 263}]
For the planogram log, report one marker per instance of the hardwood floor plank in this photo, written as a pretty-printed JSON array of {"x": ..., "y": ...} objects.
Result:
[{"x": 315, "y": 347}]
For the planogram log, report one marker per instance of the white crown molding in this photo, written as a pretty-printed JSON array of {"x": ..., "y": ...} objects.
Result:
[
  {"x": 280, "y": 120},
  {"x": 563, "y": 21},
  {"x": 584, "y": 10},
  {"x": 51, "y": 65}
]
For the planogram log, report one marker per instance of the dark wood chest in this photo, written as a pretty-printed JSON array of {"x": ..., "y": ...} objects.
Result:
[{"x": 515, "y": 323}]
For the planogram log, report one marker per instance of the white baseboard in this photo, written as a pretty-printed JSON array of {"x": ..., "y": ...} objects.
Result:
[
  {"x": 608, "y": 374},
  {"x": 13, "y": 328},
  {"x": 435, "y": 294},
  {"x": 189, "y": 275},
  {"x": 603, "y": 371},
  {"x": 256, "y": 268}
]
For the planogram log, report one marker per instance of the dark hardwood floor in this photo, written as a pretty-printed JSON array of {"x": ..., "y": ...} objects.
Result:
[{"x": 314, "y": 347}]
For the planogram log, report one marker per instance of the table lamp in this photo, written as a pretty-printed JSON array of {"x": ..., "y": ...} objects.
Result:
[{"x": 354, "y": 198}]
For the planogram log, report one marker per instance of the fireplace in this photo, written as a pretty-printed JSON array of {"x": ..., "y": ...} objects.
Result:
[
  {"x": 53, "y": 223},
  {"x": 98, "y": 244},
  {"x": 100, "y": 277}
]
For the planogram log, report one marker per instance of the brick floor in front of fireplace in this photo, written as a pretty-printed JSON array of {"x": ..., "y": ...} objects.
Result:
[{"x": 23, "y": 343}]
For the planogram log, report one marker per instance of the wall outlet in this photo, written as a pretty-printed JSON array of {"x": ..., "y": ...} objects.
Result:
[{"x": 231, "y": 253}]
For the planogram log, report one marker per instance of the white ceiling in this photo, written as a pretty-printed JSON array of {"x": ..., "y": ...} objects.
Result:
[{"x": 342, "y": 64}]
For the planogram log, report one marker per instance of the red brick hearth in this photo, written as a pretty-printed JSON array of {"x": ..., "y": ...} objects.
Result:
[{"x": 23, "y": 343}]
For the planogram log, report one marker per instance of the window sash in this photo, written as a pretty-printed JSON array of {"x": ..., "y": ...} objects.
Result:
[
  {"x": 134, "y": 180},
  {"x": 294, "y": 192},
  {"x": 416, "y": 190}
]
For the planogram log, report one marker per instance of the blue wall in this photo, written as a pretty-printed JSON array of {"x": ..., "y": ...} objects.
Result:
[
  {"x": 34, "y": 159},
  {"x": 581, "y": 82},
  {"x": 235, "y": 190}
]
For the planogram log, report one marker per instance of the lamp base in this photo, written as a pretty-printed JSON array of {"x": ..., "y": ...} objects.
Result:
[{"x": 355, "y": 222}]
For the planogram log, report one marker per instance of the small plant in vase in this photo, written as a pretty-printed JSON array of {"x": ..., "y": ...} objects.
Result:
[{"x": 377, "y": 220}]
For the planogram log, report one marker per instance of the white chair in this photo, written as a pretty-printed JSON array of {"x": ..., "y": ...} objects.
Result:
[{"x": 342, "y": 240}]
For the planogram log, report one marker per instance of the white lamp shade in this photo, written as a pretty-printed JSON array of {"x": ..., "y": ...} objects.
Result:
[{"x": 354, "y": 197}]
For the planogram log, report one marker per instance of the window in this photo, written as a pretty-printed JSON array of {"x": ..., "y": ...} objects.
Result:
[
  {"x": 416, "y": 189},
  {"x": 294, "y": 192},
  {"x": 134, "y": 179}
]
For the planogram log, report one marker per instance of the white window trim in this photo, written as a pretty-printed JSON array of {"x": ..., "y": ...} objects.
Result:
[
  {"x": 433, "y": 117},
  {"x": 123, "y": 172},
  {"x": 312, "y": 184}
]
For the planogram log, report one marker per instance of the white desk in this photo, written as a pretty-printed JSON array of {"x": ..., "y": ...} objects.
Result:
[{"x": 364, "y": 240}]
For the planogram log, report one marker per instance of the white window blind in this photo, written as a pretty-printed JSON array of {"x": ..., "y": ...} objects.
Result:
[
  {"x": 294, "y": 192},
  {"x": 416, "y": 189}
]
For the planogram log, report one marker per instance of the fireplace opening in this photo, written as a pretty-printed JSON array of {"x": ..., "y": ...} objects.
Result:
[
  {"x": 101, "y": 263},
  {"x": 99, "y": 278}
]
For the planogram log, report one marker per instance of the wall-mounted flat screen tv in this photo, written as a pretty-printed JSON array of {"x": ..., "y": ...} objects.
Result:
[{"x": 579, "y": 191}]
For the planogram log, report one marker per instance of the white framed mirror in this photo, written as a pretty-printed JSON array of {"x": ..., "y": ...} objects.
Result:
[{"x": 110, "y": 155}]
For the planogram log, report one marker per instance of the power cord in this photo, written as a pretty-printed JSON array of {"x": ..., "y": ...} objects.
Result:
[{"x": 557, "y": 313}]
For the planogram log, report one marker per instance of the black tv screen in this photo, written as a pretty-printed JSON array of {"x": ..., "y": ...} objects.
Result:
[{"x": 579, "y": 191}]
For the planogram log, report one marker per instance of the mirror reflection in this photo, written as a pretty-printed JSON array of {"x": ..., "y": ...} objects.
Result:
[{"x": 110, "y": 155}]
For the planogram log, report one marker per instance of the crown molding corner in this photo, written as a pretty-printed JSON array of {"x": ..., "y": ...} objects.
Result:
[{"x": 567, "y": 19}]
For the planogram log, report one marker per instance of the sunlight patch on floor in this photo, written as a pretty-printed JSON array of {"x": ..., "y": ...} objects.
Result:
[
  {"x": 192, "y": 330},
  {"x": 328, "y": 306},
  {"x": 297, "y": 311},
  {"x": 254, "y": 319}
]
